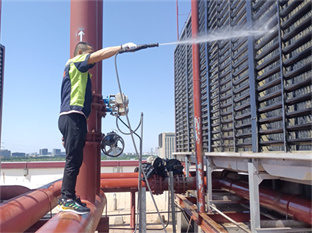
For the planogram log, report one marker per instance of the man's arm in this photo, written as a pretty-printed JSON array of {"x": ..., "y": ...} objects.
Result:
[
  {"x": 103, "y": 54},
  {"x": 108, "y": 52}
]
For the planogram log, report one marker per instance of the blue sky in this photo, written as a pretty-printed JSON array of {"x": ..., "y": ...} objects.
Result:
[{"x": 36, "y": 36}]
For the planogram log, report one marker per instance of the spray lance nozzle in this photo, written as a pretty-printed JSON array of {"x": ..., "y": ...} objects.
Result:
[{"x": 139, "y": 47}]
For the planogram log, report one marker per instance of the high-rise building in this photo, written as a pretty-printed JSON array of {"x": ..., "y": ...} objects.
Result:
[
  {"x": 5, "y": 153},
  {"x": 157, "y": 150},
  {"x": 56, "y": 152},
  {"x": 18, "y": 154},
  {"x": 166, "y": 142},
  {"x": 43, "y": 151}
]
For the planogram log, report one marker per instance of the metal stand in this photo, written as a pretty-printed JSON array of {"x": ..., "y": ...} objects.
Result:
[
  {"x": 142, "y": 211},
  {"x": 141, "y": 190},
  {"x": 254, "y": 202},
  {"x": 172, "y": 202},
  {"x": 209, "y": 170},
  {"x": 255, "y": 178}
]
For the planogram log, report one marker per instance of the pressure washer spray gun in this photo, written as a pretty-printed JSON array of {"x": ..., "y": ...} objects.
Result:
[
  {"x": 117, "y": 105},
  {"x": 139, "y": 47}
]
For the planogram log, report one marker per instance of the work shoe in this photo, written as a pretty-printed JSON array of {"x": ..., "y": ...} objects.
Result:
[
  {"x": 60, "y": 201},
  {"x": 77, "y": 199},
  {"x": 72, "y": 206},
  {"x": 79, "y": 202}
]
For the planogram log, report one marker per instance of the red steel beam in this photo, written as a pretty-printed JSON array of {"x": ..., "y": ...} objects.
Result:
[
  {"x": 197, "y": 111},
  {"x": 87, "y": 16},
  {"x": 71, "y": 222},
  {"x": 20, "y": 213}
]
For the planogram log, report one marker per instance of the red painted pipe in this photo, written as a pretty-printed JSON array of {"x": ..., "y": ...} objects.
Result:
[
  {"x": 298, "y": 208},
  {"x": 120, "y": 185},
  {"x": 119, "y": 175},
  {"x": 157, "y": 186},
  {"x": 197, "y": 111},
  {"x": 71, "y": 222},
  {"x": 10, "y": 191},
  {"x": 22, "y": 212}
]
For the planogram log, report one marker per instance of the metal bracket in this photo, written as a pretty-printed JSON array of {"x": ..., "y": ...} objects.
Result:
[
  {"x": 209, "y": 169},
  {"x": 255, "y": 178}
]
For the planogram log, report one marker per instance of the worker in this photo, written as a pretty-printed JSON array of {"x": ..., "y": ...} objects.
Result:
[{"x": 76, "y": 98}]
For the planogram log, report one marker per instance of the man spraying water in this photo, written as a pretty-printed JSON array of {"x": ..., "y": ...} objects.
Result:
[{"x": 76, "y": 98}]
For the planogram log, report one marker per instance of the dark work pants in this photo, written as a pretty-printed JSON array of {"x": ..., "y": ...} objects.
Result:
[{"x": 74, "y": 129}]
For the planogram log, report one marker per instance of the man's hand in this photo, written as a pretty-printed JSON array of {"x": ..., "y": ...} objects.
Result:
[
  {"x": 63, "y": 141},
  {"x": 129, "y": 46}
]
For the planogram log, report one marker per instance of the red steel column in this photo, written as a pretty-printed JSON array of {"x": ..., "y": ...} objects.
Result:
[
  {"x": 197, "y": 112},
  {"x": 177, "y": 10},
  {"x": 86, "y": 16},
  {"x": 1, "y": 86},
  {"x": 99, "y": 45}
]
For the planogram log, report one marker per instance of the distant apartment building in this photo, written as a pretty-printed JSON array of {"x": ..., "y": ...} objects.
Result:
[
  {"x": 5, "y": 153},
  {"x": 56, "y": 152},
  {"x": 156, "y": 151},
  {"x": 166, "y": 142},
  {"x": 18, "y": 154},
  {"x": 43, "y": 151}
]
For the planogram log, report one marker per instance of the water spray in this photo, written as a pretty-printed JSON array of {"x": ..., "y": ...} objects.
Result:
[
  {"x": 219, "y": 35},
  {"x": 210, "y": 37}
]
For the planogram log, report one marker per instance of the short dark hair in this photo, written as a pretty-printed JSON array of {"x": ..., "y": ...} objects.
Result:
[{"x": 84, "y": 46}]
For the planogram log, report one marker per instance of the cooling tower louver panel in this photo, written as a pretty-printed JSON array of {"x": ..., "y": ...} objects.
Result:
[
  {"x": 296, "y": 29},
  {"x": 255, "y": 90}
]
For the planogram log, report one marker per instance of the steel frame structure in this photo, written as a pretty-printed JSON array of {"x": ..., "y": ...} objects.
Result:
[
  {"x": 258, "y": 167},
  {"x": 255, "y": 93}
]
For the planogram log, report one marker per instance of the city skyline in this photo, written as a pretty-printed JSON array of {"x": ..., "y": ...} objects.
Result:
[{"x": 153, "y": 151}]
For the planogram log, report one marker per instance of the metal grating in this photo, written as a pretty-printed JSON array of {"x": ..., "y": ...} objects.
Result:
[
  {"x": 255, "y": 91},
  {"x": 283, "y": 69},
  {"x": 296, "y": 30},
  {"x": 184, "y": 93}
]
